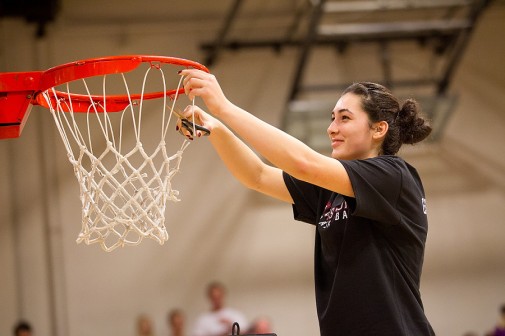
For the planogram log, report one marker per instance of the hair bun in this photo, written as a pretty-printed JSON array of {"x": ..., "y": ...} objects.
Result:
[{"x": 413, "y": 127}]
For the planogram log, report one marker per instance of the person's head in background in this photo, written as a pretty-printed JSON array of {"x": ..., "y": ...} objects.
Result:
[
  {"x": 144, "y": 325},
  {"x": 23, "y": 328},
  {"x": 261, "y": 325},
  {"x": 216, "y": 293},
  {"x": 176, "y": 322}
]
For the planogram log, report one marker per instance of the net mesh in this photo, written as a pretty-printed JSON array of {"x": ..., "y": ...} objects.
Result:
[{"x": 124, "y": 183}]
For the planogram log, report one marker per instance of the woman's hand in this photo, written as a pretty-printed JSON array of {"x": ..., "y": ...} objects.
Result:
[
  {"x": 196, "y": 115},
  {"x": 201, "y": 84}
]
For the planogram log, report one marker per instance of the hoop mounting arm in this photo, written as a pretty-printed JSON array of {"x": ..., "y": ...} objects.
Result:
[{"x": 17, "y": 90}]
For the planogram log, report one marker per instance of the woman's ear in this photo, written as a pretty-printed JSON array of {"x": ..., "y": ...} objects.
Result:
[{"x": 380, "y": 129}]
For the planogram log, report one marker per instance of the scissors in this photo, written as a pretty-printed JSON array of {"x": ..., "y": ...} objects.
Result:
[{"x": 189, "y": 126}]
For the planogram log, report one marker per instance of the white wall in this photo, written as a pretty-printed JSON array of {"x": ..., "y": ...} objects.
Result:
[{"x": 220, "y": 230}]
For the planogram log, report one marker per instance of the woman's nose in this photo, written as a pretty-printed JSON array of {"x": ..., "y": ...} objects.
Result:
[{"x": 332, "y": 128}]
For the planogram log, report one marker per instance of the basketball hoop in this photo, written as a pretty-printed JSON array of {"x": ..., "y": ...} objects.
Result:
[{"x": 124, "y": 181}]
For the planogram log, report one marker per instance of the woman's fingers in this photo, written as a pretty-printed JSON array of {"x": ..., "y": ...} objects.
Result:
[
  {"x": 189, "y": 111},
  {"x": 201, "y": 84},
  {"x": 190, "y": 123},
  {"x": 197, "y": 83},
  {"x": 183, "y": 130}
]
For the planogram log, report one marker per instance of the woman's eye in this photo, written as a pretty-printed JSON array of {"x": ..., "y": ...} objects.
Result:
[{"x": 339, "y": 117}]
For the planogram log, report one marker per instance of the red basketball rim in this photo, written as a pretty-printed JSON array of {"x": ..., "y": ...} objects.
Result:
[{"x": 103, "y": 66}]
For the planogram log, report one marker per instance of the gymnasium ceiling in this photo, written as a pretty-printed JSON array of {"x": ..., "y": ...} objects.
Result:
[{"x": 442, "y": 26}]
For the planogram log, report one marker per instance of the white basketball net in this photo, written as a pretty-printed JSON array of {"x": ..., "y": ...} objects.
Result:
[{"x": 123, "y": 187}]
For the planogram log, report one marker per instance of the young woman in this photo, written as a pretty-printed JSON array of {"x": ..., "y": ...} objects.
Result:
[{"x": 367, "y": 204}]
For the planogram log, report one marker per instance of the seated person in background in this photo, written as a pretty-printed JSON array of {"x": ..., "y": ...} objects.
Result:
[
  {"x": 219, "y": 320},
  {"x": 23, "y": 328},
  {"x": 261, "y": 325},
  {"x": 499, "y": 329},
  {"x": 144, "y": 326},
  {"x": 176, "y": 322}
]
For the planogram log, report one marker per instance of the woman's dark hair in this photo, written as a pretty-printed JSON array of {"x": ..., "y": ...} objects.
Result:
[{"x": 406, "y": 124}]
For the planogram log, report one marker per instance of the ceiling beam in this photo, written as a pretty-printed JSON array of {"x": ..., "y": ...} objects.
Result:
[
  {"x": 310, "y": 37},
  {"x": 330, "y": 40},
  {"x": 223, "y": 32},
  {"x": 371, "y": 5},
  {"x": 461, "y": 44},
  {"x": 403, "y": 27}
]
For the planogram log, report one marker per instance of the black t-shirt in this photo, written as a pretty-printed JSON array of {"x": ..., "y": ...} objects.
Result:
[{"x": 369, "y": 249}]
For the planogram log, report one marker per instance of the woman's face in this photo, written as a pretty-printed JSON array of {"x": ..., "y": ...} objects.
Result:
[{"x": 350, "y": 131}]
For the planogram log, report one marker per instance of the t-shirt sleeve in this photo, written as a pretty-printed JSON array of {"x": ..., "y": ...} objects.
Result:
[
  {"x": 376, "y": 184},
  {"x": 305, "y": 199}
]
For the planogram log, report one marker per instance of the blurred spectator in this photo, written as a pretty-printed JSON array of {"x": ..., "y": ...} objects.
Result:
[
  {"x": 219, "y": 320},
  {"x": 144, "y": 326},
  {"x": 23, "y": 328},
  {"x": 176, "y": 322},
  {"x": 499, "y": 329},
  {"x": 261, "y": 325}
]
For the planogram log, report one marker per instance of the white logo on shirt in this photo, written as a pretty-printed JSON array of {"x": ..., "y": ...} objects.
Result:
[{"x": 334, "y": 213}]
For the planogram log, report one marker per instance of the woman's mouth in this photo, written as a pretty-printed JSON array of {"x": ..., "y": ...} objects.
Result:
[{"x": 336, "y": 142}]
